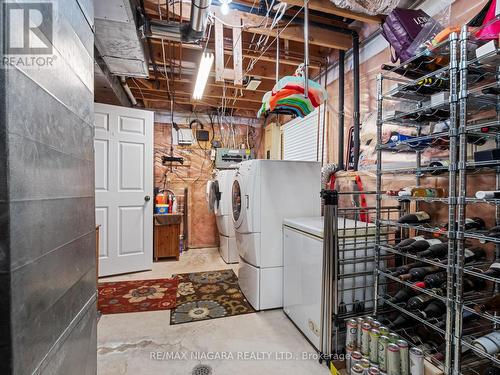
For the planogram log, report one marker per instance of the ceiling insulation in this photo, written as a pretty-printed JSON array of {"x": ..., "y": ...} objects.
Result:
[{"x": 372, "y": 7}]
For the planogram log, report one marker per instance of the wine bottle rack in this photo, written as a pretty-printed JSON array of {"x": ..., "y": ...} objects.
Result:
[
  {"x": 473, "y": 113},
  {"x": 473, "y": 119}
]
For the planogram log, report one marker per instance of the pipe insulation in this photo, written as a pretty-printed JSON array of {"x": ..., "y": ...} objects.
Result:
[
  {"x": 195, "y": 29},
  {"x": 326, "y": 172},
  {"x": 372, "y": 7}
]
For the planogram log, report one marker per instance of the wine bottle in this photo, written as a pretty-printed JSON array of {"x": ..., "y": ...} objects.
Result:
[
  {"x": 420, "y": 245},
  {"x": 433, "y": 280},
  {"x": 490, "y": 370},
  {"x": 473, "y": 254},
  {"x": 494, "y": 231},
  {"x": 435, "y": 251},
  {"x": 419, "y": 273},
  {"x": 481, "y": 194},
  {"x": 493, "y": 271},
  {"x": 467, "y": 316},
  {"x": 396, "y": 271},
  {"x": 434, "y": 309},
  {"x": 408, "y": 241},
  {"x": 419, "y": 217},
  {"x": 471, "y": 223},
  {"x": 420, "y": 301},
  {"x": 474, "y": 223},
  {"x": 402, "y": 295},
  {"x": 490, "y": 305},
  {"x": 441, "y": 164},
  {"x": 400, "y": 322},
  {"x": 428, "y": 192}
]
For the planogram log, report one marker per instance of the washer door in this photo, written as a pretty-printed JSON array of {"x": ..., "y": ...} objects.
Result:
[
  {"x": 237, "y": 202},
  {"x": 213, "y": 196}
]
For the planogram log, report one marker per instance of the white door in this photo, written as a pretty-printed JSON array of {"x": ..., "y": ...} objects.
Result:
[{"x": 123, "y": 145}]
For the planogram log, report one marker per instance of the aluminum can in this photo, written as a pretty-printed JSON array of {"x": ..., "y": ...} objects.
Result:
[
  {"x": 356, "y": 357},
  {"x": 383, "y": 342},
  {"x": 393, "y": 360},
  {"x": 357, "y": 370},
  {"x": 416, "y": 361},
  {"x": 384, "y": 330},
  {"x": 374, "y": 336},
  {"x": 360, "y": 322},
  {"x": 376, "y": 324},
  {"x": 373, "y": 371},
  {"x": 404, "y": 356},
  {"x": 393, "y": 337},
  {"x": 351, "y": 337},
  {"x": 365, "y": 339}
]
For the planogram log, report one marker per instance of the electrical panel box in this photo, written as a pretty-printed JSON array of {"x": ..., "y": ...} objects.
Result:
[
  {"x": 272, "y": 141},
  {"x": 183, "y": 137},
  {"x": 228, "y": 158}
]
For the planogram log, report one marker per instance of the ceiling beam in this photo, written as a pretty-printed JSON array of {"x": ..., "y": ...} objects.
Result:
[
  {"x": 326, "y": 6},
  {"x": 186, "y": 88}
]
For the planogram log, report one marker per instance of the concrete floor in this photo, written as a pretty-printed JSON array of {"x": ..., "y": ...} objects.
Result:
[{"x": 146, "y": 344}]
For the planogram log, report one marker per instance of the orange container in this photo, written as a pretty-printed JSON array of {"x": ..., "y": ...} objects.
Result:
[{"x": 160, "y": 198}]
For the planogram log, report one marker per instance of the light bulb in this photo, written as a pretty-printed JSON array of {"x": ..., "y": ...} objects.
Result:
[{"x": 224, "y": 8}]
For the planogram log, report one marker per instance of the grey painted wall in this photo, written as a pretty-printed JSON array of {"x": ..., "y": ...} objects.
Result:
[{"x": 47, "y": 251}]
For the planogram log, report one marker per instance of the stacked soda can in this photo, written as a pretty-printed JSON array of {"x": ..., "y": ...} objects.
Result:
[{"x": 371, "y": 349}]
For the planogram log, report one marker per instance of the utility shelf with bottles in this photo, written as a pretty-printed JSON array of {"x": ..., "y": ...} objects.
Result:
[{"x": 427, "y": 100}]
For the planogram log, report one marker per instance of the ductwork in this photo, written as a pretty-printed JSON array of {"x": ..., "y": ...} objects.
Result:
[
  {"x": 117, "y": 38},
  {"x": 195, "y": 29},
  {"x": 326, "y": 172},
  {"x": 372, "y": 7}
]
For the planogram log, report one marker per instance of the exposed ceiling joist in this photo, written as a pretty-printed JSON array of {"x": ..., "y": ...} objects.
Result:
[
  {"x": 317, "y": 35},
  {"x": 186, "y": 88}
]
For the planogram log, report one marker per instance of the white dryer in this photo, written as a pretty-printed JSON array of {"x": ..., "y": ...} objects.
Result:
[
  {"x": 263, "y": 193},
  {"x": 219, "y": 202}
]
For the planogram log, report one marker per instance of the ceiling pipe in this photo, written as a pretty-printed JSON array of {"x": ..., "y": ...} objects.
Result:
[
  {"x": 355, "y": 98},
  {"x": 127, "y": 90},
  {"x": 194, "y": 30},
  {"x": 341, "y": 110}
]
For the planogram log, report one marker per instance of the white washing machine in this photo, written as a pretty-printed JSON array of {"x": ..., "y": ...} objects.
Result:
[
  {"x": 263, "y": 193},
  {"x": 219, "y": 202}
]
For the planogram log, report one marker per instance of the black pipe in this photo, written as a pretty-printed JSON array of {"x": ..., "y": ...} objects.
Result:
[
  {"x": 355, "y": 97},
  {"x": 341, "y": 110}
]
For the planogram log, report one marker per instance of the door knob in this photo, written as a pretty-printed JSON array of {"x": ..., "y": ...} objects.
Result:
[{"x": 147, "y": 198}]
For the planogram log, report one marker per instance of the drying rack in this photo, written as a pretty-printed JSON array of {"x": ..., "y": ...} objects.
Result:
[{"x": 348, "y": 265}]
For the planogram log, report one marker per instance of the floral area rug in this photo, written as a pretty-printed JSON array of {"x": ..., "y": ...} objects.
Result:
[
  {"x": 208, "y": 295},
  {"x": 137, "y": 295}
]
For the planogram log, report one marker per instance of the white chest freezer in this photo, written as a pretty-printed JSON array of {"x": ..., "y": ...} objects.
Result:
[{"x": 302, "y": 274}]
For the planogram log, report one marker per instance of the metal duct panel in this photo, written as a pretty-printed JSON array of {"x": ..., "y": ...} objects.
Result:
[
  {"x": 368, "y": 7},
  {"x": 117, "y": 38},
  {"x": 199, "y": 13}
]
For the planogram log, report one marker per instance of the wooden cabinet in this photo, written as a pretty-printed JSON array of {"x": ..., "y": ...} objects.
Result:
[{"x": 166, "y": 236}]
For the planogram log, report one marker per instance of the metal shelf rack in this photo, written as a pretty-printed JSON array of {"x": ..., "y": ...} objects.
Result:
[
  {"x": 420, "y": 111},
  {"x": 473, "y": 113},
  {"x": 472, "y": 121}
]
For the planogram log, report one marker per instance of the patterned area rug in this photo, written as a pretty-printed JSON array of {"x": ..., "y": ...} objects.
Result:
[
  {"x": 137, "y": 295},
  {"x": 208, "y": 295}
]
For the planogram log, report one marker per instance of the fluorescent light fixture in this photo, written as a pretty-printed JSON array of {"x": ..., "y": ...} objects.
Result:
[
  {"x": 206, "y": 62},
  {"x": 224, "y": 6}
]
